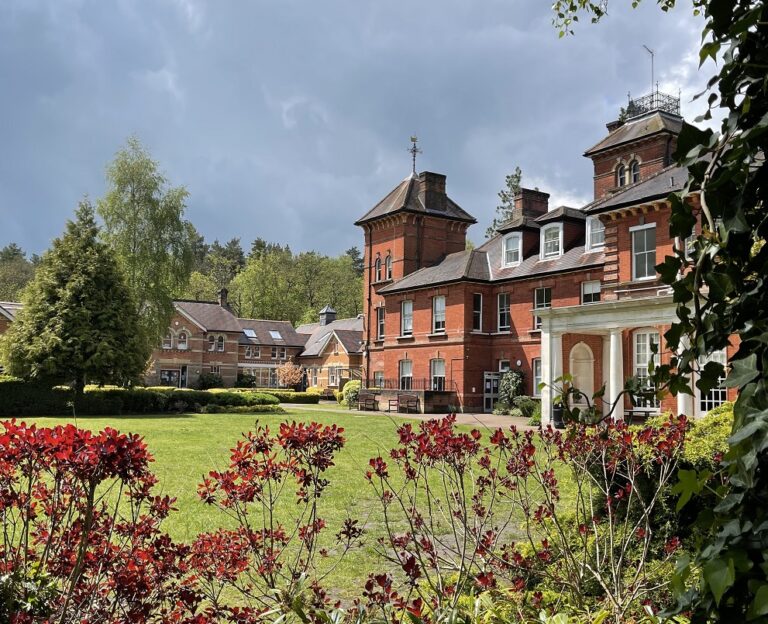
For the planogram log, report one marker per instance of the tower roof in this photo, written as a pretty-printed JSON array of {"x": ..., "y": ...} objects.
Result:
[
  {"x": 655, "y": 122},
  {"x": 419, "y": 194}
]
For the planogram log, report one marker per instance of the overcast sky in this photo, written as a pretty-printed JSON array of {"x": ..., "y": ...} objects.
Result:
[{"x": 288, "y": 119}]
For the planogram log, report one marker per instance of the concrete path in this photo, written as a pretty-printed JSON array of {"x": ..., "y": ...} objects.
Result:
[{"x": 481, "y": 421}]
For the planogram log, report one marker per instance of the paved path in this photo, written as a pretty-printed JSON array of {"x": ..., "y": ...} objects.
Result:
[{"x": 490, "y": 421}]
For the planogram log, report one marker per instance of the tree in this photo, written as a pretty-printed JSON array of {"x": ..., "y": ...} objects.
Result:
[
  {"x": 144, "y": 225},
  {"x": 290, "y": 374},
  {"x": 79, "y": 322},
  {"x": 719, "y": 287},
  {"x": 224, "y": 262},
  {"x": 507, "y": 198},
  {"x": 357, "y": 259},
  {"x": 15, "y": 272},
  {"x": 201, "y": 287}
]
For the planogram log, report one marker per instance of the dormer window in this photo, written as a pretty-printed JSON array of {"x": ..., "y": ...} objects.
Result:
[
  {"x": 388, "y": 267},
  {"x": 634, "y": 171},
  {"x": 595, "y": 234},
  {"x": 552, "y": 241},
  {"x": 377, "y": 270},
  {"x": 511, "y": 255}
]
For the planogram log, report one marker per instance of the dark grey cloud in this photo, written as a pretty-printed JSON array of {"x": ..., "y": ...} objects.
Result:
[{"x": 288, "y": 119}]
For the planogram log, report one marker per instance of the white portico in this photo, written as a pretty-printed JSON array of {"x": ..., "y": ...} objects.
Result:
[{"x": 624, "y": 325}]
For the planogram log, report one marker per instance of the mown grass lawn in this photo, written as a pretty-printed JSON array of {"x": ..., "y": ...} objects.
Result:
[{"x": 187, "y": 446}]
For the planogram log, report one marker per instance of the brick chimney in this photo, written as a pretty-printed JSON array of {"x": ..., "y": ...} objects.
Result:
[
  {"x": 432, "y": 191},
  {"x": 327, "y": 315},
  {"x": 531, "y": 203},
  {"x": 223, "y": 294}
]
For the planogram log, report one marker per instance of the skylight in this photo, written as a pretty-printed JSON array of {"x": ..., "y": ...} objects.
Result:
[
  {"x": 275, "y": 334},
  {"x": 249, "y": 332}
]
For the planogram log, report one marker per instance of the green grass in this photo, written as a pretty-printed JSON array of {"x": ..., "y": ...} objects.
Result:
[{"x": 187, "y": 446}]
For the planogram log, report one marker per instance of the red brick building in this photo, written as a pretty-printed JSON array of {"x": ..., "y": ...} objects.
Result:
[{"x": 555, "y": 291}]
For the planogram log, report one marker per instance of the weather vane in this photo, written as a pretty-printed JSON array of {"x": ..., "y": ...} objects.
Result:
[{"x": 414, "y": 150}]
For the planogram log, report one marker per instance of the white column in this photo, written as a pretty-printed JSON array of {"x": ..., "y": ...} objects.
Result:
[
  {"x": 546, "y": 376},
  {"x": 616, "y": 374},
  {"x": 605, "y": 367},
  {"x": 557, "y": 356}
]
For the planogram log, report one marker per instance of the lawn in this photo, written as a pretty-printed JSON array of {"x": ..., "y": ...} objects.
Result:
[{"x": 187, "y": 446}]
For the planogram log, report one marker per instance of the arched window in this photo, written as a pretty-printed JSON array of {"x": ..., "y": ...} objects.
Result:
[
  {"x": 388, "y": 265},
  {"x": 621, "y": 175},
  {"x": 181, "y": 341},
  {"x": 211, "y": 343},
  {"x": 634, "y": 171},
  {"x": 377, "y": 270},
  {"x": 168, "y": 340},
  {"x": 220, "y": 344}
]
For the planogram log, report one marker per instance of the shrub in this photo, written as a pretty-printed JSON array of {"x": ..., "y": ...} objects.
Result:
[
  {"x": 245, "y": 381},
  {"x": 242, "y": 409},
  {"x": 510, "y": 386},
  {"x": 707, "y": 441},
  {"x": 22, "y": 398},
  {"x": 535, "y": 419},
  {"x": 527, "y": 405},
  {"x": 209, "y": 380},
  {"x": 351, "y": 392},
  {"x": 295, "y": 397}
]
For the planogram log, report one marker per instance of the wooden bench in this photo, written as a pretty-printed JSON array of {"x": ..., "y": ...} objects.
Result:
[
  {"x": 637, "y": 415},
  {"x": 407, "y": 402},
  {"x": 367, "y": 401}
]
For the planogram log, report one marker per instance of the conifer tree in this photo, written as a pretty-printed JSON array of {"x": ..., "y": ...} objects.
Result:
[
  {"x": 507, "y": 197},
  {"x": 79, "y": 323}
]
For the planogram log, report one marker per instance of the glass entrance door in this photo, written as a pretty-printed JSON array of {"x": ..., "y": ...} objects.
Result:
[{"x": 490, "y": 391}]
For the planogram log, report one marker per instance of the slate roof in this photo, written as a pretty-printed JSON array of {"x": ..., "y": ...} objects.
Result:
[
  {"x": 10, "y": 309},
  {"x": 349, "y": 332},
  {"x": 657, "y": 186},
  {"x": 470, "y": 265},
  {"x": 209, "y": 315},
  {"x": 262, "y": 328},
  {"x": 518, "y": 221},
  {"x": 354, "y": 323},
  {"x": 562, "y": 212},
  {"x": 647, "y": 125},
  {"x": 405, "y": 198}
]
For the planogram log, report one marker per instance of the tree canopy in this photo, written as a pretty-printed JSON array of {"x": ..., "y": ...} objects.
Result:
[
  {"x": 79, "y": 322},
  {"x": 144, "y": 224},
  {"x": 512, "y": 186}
]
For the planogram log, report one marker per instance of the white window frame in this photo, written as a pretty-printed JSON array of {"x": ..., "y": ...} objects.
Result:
[
  {"x": 499, "y": 327},
  {"x": 438, "y": 316},
  {"x": 621, "y": 175},
  {"x": 634, "y": 171},
  {"x": 590, "y": 230},
  {"x": 248, "y": 352},
  {"x": 378, "y": 379},
  {"x": 405, "y": 374},
  {"x": 211, "y": 343},
  {"x": 282, "y": 352},
  {"x": 632, "y": 231},
  {"x": 511, "y": 244},
  {"x": 168, "y": 340},
  {"x": 334, "y": 373},
  {"x": 436, "y": 375},
  {"x": 548, "y": 228},
  {"x": 274, "y": 353},
  {"x": 313, "y": 376},
  {"x": 536, "y": 306},
  {"x": 640, "y": 367},
  {"x": 505, "y": 366},
  {"x": 377, "y": 269},
  {"x": 380, "y": 322},
  {"x": 536, "y": 376},
  {"x": 406, "y": 320},
  {"x": 718, "y": 394},
  {"x": 182, "y": 345},
  {"x": 590, "y": 285},
  {"x": 220, "y": 342},
  {"x": 215, "y": 369},
  {"x": 388, "y": 267},
  {"x": 477, "y": 313}
]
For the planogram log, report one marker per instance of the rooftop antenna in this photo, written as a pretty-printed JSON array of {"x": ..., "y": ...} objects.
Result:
[
  {"x": 652, "y": 53},
  {"x": 414, "y": 150}
]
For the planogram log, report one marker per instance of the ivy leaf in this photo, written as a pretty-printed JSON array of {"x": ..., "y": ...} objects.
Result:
[
  {"x": 759, "y": 605},
  {"x": 719, "y": 576},
  {"x": 742, "y": 372},
  {"x": 687, "y": 485}
]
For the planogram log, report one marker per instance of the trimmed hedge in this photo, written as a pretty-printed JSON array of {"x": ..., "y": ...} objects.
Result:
[
  {"x": 20, "y": 398},
  {"x": 295, "y": 397},
  {"x": 243, "y": 409}
]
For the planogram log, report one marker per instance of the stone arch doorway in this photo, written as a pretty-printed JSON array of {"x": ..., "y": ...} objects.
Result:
[{"x": 582, "y": 367}]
